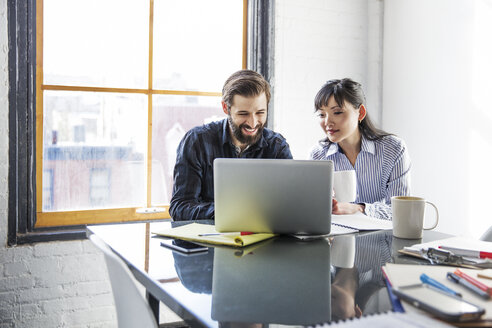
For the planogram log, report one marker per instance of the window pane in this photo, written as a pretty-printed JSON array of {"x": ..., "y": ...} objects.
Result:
[
  {"x": 96, "y": 43},
  {"x": 172, "y": 116},
  {"x": 200, "y": 51},
  {"x": 95, "y": 146}
]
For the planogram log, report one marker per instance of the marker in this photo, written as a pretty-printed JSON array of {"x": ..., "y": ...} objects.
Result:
[
  {"x": 242, "y": 233},
  {"x": 428, "y": 280},
  {"x": 473, "y": 281},
  {"x": 468, "y": 252},
  {"x": 455, "y": 278}
]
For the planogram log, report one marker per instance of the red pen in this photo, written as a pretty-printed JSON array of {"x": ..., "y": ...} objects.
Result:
[
  {"x": 467, "y": 252},
  {"x": 242, "y": 233},
  {"x": 473, "y": 281}
]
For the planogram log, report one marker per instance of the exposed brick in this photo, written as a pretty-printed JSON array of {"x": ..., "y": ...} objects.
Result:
[
  {"x": 16, "y": 283},
  {"x": 30, "y": 310},
  {"x": 15, "y": 269},
  {"x": 91, "y": 316},
  {"x": 64, "y": 305},
  {"x": 6, "y": 256},
  {"x": 39, "y": 294},
  {"x": 58, "y": 248},
  {"x": 21, "y": 252},
  {"x": 101, "y": 300}
]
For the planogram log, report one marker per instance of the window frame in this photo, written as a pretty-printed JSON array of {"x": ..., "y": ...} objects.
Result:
[{"x": 23, "y": 82}]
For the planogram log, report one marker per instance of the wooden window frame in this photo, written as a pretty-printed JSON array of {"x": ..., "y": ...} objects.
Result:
[{"x": 25, "y": 221}]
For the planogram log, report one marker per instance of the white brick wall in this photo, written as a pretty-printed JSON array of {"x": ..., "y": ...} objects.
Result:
[
  {"x": 315, "y": 41},
  {"x": 58, "y": 284}
]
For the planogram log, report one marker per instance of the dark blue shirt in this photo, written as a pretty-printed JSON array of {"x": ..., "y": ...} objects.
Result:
[{"x": 193, "y": 191}]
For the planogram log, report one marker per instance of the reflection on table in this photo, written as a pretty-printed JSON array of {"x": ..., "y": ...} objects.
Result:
[{"x": 279, "y": 281}]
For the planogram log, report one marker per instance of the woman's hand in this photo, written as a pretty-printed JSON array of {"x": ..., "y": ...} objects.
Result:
[{"x": 346, "y": 208}]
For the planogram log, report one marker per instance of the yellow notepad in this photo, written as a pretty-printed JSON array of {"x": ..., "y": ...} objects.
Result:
[{"x": 193, "y": 231}]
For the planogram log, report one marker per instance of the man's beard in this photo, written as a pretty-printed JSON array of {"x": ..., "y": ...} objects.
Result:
[{"x": 241, "y": 137}]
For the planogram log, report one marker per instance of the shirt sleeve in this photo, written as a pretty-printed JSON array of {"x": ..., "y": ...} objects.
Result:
[
  {"x": 397, "y": 185},
  {"x": 284, "y": 150},
  {"x": 186, "y": 201}
]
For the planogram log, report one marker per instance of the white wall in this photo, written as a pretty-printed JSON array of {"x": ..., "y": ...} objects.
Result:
[
  {"x": 316, "y": 41},
  {"x": 436, "y": 95}
]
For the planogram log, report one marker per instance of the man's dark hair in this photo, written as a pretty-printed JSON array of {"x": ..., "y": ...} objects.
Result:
[
  {"x": 246, "y": 83},
  {"x": 347, "y": 90}
]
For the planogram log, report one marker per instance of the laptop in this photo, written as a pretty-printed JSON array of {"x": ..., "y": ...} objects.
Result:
[{"x": 283, "y": 196}]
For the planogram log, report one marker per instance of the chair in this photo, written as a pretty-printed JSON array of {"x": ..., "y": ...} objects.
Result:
[
  {"x": 132, "y": 309},
  {"x": 487, "y": 236}
]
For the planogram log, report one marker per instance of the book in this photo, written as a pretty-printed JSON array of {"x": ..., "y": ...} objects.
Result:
[{"x": 193, "y": 232}]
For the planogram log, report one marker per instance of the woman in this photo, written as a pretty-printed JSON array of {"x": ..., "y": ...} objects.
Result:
[{"x": 380, "y": 160}]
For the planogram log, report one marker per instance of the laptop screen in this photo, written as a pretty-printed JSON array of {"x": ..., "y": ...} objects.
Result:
[{"x": 273, "y": 195}]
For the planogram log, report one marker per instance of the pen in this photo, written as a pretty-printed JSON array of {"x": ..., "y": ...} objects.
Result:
[
  {"x": 473, "y": 281},
  {"x": 428, "y": 280},
  {"x": 242, "y": 233},
  {"x": 468, "y": 252},
  {"x": 455, "y": 278}
]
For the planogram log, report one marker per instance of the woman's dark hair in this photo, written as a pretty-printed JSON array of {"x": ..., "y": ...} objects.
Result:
[{"x": 347, "y": 90}]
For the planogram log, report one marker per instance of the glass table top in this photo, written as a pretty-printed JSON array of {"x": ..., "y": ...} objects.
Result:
[{"x": 279, "y": 281}]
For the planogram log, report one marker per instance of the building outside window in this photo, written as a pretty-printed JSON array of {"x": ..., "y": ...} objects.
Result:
[{"x": 118, "y": 85}]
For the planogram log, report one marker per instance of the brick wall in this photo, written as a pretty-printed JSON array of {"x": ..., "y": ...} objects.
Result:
[
  {"x": 316, "y": 41},
  {"x": 58, "y": 284}
]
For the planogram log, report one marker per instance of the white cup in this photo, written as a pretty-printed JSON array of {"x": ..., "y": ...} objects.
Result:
[
  {"x": 343, "y": 251},
  {"x": 344, "y": 185},
  {"x": 408, "y": 216}
]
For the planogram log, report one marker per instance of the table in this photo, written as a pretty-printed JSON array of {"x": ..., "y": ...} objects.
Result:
[{"x": 282, "y": 280}]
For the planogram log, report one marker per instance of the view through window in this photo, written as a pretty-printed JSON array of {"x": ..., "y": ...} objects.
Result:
[{"x": 119, "y": 83}]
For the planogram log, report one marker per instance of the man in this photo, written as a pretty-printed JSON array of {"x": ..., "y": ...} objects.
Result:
[{"x": 245, "y": 98}]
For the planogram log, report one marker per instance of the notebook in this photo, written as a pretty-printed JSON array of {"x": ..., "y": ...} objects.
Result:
[{"x": 282, "y": 196}]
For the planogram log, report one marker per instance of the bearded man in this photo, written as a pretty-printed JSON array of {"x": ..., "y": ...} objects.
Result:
[{"x": 242, "y": 134}]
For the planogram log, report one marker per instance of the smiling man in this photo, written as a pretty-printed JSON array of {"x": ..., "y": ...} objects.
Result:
[{"x": 245, "y": 98}]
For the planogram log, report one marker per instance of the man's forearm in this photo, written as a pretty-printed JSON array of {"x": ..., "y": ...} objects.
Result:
[{"x": 183, "y": 210}]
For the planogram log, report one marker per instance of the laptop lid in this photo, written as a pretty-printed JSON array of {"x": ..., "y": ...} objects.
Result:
[{"x": 273, "y": 195}]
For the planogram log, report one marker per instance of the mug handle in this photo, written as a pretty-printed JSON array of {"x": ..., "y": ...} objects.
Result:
[{"x": 437, "y": 216}]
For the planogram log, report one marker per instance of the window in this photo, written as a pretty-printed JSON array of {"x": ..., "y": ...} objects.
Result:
[
  {"x": 120, "y": 84},
  {"x": 77, "y": 127}
]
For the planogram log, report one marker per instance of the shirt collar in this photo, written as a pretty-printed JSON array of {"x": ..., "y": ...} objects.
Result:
[
  {"x": 226, "y": 137},
  {"x": 366, "y": 146}
]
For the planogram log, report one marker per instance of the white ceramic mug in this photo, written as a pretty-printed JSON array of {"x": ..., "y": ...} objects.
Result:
[
  {"x": 344, "y": 185},
  {"x": 343, "y": 251},
  {"x": 408, "y": 216}
]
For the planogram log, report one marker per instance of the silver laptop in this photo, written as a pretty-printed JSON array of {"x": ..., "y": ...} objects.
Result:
[{"x": 273, "y": 195}]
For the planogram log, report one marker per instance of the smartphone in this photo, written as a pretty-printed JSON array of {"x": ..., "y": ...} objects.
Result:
[
  {"x": 183, "y": 246},
  {"x": 439, "y": 303}
]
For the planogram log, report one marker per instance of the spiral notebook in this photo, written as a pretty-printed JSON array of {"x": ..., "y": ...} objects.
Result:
[
  {"x": 361, "y": 222},
  {"x": 391, "y": 320}
]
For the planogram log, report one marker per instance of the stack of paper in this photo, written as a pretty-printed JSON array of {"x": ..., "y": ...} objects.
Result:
[{"x": 195, "y": 232}]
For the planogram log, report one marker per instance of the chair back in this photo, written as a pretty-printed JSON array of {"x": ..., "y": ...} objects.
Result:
[
  {"x": 132, "y": 309},
  {"x": 487, "y": 236}
]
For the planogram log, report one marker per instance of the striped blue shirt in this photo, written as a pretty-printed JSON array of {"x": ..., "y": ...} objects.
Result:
[{"x": 382, "y": 169}]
